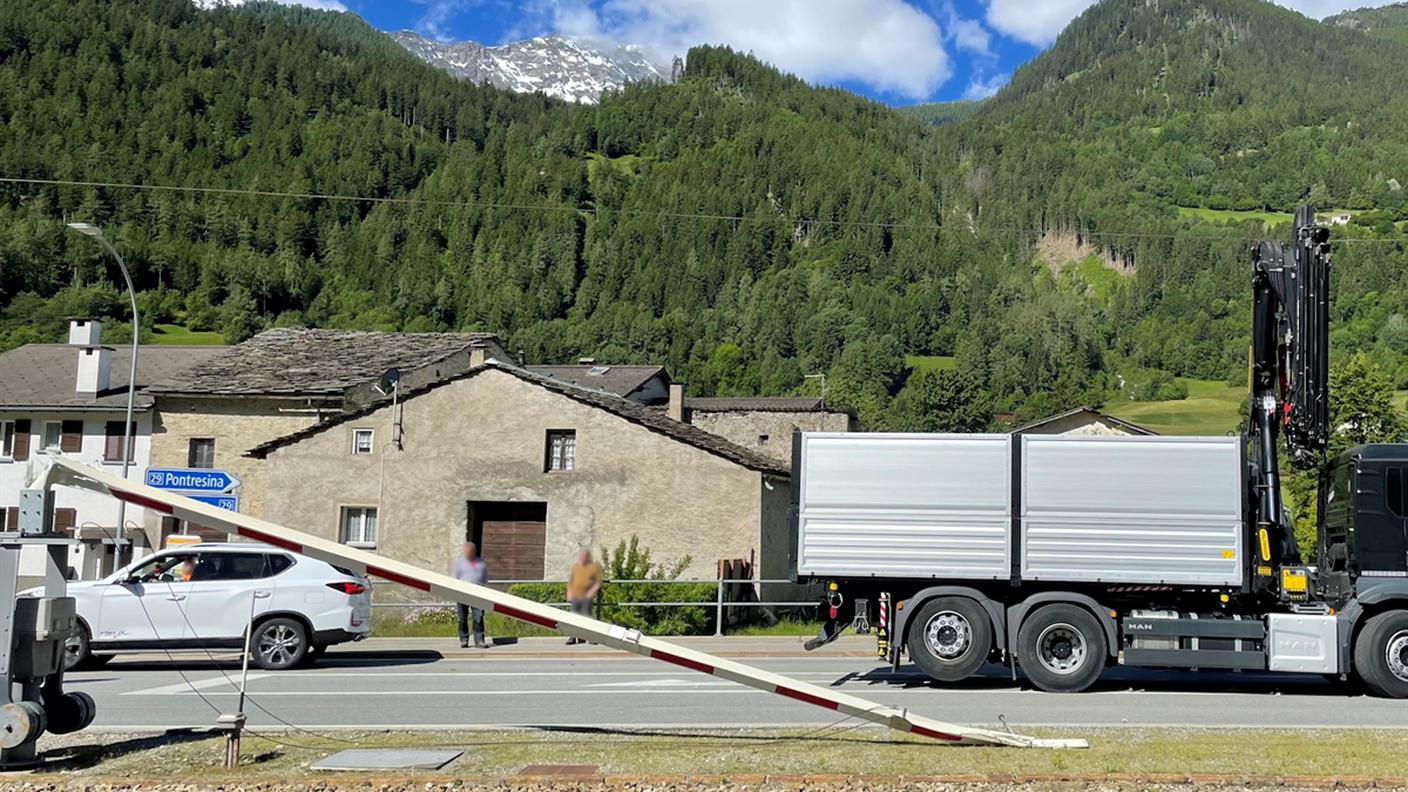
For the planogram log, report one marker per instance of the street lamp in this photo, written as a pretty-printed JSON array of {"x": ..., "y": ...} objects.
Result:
[{"x": 97, "y": 233}]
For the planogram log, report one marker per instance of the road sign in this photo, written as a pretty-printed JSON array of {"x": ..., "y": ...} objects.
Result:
[
  {"x": 191, "y": 480},
  {"x": 226, "y": 502}
]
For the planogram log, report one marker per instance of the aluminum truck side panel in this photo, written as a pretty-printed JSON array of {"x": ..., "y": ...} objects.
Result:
[
  {"x": 1132, "y": 510},
  {"x": 931, "y": 506}
]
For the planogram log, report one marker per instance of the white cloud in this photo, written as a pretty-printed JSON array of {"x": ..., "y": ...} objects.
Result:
[
  {"x": 968, "y": 35},
  {"x": 434, "y": 23},
  {"x": 887, "y": 45},
  {"x": 981, "y": 87},
  {"x": 1038, "y": 22}
]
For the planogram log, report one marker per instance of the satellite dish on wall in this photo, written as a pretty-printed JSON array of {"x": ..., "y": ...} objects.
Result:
[{"x": 388, "y": 382}]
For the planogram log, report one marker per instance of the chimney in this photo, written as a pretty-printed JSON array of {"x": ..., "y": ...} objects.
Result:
[
  {"x": 478, "y": 354},
  {"x": 85, "y": 332},
  {"x": 94, "y": 371},
  {"x": 676, "y": 407},
  {"x": 522, "y": 358}
]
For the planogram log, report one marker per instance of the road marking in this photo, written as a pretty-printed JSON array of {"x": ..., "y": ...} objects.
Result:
[
  {"x": 192, "y": 687},
  {"x": 184, "y": 691},
  {"x": 643, "y": 683}
]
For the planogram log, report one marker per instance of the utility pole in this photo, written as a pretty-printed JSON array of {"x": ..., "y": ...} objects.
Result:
[{"x": 120, "y": 552}]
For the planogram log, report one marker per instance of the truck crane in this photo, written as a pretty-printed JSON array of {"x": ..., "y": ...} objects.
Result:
[{"x": 1060, "y": 555}]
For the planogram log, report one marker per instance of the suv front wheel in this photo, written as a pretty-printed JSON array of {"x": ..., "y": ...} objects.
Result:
[
  {"x": 78, "y": 654},
  {"x": 279, "y": 644}
]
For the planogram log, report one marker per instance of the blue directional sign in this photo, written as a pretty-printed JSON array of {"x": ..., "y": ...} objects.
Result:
[
  {"x": 191, "y": 480},
  {"x": 226, "y": 502}
]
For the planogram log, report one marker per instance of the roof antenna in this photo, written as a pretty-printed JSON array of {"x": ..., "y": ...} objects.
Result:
[{"x": 389, "y": 384}]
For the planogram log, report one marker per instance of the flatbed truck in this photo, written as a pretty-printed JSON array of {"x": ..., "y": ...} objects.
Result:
[{"x": 1062, "y": 555}]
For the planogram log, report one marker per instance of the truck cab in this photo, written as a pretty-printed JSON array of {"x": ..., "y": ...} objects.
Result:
[{"x": 1364, "y": 533}]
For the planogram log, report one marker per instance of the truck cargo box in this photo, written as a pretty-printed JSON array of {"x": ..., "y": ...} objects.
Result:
[{"x": 1147, "y": 510}]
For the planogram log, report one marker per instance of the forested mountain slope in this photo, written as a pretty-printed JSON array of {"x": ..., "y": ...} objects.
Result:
[
  {"x": 739, "y": 226},
  {"x": 1390, "y": 21}
]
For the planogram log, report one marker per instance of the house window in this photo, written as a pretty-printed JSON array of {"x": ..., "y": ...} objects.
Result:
[
  {"x": 201, "y": 452},
  {"x": 358, "y": 526},
  {"x": 112, "y": 443},
  {"x": 762, "y": 440},
  {"x": 7, "y": 439},
  {"x": 562, "y": 449},
  {"x": 361, "y": 441},
  {"x": 53, "y": 435}
]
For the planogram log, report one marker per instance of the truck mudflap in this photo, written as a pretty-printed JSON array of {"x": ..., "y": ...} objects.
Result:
[{"x": 64, "y": 472}]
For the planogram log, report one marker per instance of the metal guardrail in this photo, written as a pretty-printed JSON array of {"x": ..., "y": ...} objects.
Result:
[{"x": 718, "y": 603}]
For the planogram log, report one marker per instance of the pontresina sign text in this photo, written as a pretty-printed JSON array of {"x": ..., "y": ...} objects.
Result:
[{"x": 191, "y": 480}]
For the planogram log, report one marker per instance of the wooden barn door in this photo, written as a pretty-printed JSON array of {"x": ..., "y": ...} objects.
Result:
[{"x": 512, "y": 538}]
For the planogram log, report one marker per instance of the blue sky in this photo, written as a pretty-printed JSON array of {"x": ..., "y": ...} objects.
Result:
[{"x": 896, "y": 51}]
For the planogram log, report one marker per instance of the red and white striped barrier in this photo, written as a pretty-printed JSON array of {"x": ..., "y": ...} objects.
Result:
[{"x": 66, "y": 472}]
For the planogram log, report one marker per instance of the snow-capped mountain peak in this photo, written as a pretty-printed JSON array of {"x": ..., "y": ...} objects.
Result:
[{"x": 578, "y": 70}]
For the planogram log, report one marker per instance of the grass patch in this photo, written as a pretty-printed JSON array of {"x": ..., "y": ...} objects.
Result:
[
  {"x": 390, "y": 623},
  {"x": 930, "y": 362},
  {"x": 176, "y": 334},
  {"x": 1212, "y": 408},
  {"x": 1301, "y": 752},
  {"x": 784, "y": 627},
  {"x": 1237, "y": 216},
  {"x": 1103, "y": 281}
]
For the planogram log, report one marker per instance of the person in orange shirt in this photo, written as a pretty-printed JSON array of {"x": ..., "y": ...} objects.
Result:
[
  {"x": 583, "y": 582},
  {"x": 188, "y": 570}
]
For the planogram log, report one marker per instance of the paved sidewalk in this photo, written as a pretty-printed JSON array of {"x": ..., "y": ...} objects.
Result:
[{"x": 725, "y": 646}]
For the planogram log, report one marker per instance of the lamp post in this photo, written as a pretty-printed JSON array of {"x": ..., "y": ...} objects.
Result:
[{"x": 97, "y": 233}]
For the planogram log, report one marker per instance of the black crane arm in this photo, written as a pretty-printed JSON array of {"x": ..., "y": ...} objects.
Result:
[{"x": 1290, "y": 367}]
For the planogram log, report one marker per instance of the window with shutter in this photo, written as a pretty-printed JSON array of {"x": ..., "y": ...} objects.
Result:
[
  {"x": 64, "y": 520},
  {"x": 112, "y": 442},
  {"x": 20, "y": 451},
  {"x": 72, "y": 441}
]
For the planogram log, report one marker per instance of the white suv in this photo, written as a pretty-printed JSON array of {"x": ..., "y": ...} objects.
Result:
[{"x": 203, "y": 596}]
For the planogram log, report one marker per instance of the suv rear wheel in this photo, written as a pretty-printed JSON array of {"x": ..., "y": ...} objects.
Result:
[{"x": 279, "y": 643}]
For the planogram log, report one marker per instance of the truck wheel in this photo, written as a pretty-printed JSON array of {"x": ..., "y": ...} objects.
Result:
[
  {"x": 950, "y": 638},
  {"x": 1061, "y": 648},
  {"x": 1381, "y": 654}
]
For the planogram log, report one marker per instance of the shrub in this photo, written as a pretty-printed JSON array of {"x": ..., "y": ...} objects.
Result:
[{"x": 630, "y": 561}]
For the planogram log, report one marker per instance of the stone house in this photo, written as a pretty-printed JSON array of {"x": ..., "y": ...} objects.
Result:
[
  {"x": 532, "y": 468},
  {"x": 287, "y": 379},
  {"x": 763, "y": 424},
  {"x": 1082, "y": 421},
  {"x": 641, "y": 384}
]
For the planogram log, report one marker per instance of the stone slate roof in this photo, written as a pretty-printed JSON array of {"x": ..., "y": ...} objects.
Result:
[
  {"x": 43, "y": 376},
  {"x": 619, "y": 380},
  {"x": 647, "y": 417},
  {"x": 307, "y": 362},
  {"x": 1095, "y": 415},
  {"x": 758, "y": 404}
]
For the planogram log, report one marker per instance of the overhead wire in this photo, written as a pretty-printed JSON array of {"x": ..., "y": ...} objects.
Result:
[{"x": 657, "y": 213}]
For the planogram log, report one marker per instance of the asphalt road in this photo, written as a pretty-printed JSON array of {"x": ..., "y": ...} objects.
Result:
[{"x": 421, "y": 689}]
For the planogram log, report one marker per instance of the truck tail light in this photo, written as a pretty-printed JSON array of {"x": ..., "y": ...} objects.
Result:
[{"x": 348, "y": 587}]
